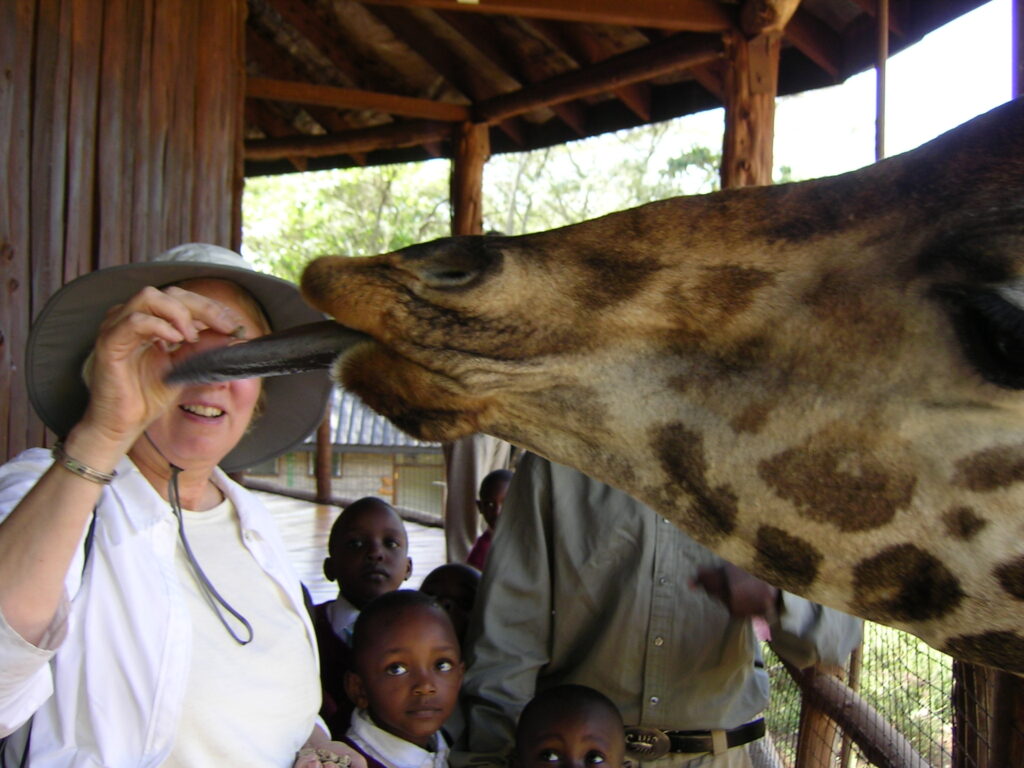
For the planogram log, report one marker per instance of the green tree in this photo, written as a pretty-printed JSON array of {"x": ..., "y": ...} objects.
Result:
[{"x": 293, "y": 218}]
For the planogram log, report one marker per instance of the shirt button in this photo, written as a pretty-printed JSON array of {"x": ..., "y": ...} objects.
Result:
[
  {"x": 663, "y": 581},
  {"x": 654, "y": 701},
  {"x": 659, "y": 641}
]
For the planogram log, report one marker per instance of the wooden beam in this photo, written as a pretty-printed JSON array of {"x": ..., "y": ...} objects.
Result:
[
  {"x": 672, "y": 54},
  {"x": 816, "y": 41},
  {"x": 317, "y": 26},
  {"x": 711, "y": 80},
  {"x": 472, "y": 148},
  {"x": 579, "y": 41},
  {"x": 393, "y": 136},
  {"x": 760, "y": 16},
  {"x": 678, "y": 15},
  {"x": 751, "y": 84},
  {"x": 350, "y": 98}
]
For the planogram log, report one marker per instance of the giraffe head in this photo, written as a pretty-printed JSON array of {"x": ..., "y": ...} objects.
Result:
[{"x": 820, "y": 381}]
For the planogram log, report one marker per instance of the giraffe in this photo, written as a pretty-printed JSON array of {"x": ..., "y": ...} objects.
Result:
[{"x": 820, "y": 381}]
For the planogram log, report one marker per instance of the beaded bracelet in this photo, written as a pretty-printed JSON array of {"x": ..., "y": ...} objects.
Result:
[{"x": 80, "y": 469}]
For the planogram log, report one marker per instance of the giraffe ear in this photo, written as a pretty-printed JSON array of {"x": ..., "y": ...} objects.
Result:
[{"x": 989, "y": 320}]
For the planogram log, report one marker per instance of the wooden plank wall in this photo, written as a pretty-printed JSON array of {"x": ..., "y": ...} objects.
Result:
[{"x": 120, "y": 136}]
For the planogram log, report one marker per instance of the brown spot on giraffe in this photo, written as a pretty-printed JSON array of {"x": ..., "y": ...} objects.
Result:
[
  {"x": 728, "y": 289},
  {"x": 990, "y": 469},
  {"x": 963, "y": 523},
  {"x": 904, "y": 583},
  {"x": 786, "y": 560},
  {"x": 610, "y": 279},
  {"x": 1011, "y": 577},
  {"x": 712, "y": 511},
  {"x": 1002, "y": 649},
  {"x": 751, "y": 419},
  {"x": 834, "y": 479}
]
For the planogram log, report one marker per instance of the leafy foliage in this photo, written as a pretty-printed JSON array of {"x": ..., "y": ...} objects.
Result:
[{"x": 289, "y": 220}]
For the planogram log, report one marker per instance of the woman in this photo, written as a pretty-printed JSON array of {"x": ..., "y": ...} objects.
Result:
[{"x": 148, "y": 614}]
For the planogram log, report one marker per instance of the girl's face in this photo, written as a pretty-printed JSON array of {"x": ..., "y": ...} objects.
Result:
[{"x": 408, "y": 678}]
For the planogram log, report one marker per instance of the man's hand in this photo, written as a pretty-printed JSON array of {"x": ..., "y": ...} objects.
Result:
[{"x": 744, "y": 595}]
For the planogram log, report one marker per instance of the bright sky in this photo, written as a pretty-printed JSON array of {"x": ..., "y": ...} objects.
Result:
[{"x": 953, "y": 74}]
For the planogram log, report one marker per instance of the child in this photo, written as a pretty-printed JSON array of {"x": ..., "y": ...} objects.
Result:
[
  {"x": 454, "y": 587},
  {"x": 493, "y": 489},
  {"x": 569, "y": 726},
  {"x": 367, "y": 554},
  {"x": 405, "y": 678}
]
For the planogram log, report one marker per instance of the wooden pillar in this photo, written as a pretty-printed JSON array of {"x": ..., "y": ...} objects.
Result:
[
  {"x": 751, "y": 83},
  {"x": 882, "y": 21},
  {"x": 1018, "y": 47},
  {"x": 472, "y": 148},
  {"x": 324, "y": 457}
]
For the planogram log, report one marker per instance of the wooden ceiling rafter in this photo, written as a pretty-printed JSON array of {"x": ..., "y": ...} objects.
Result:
[
  {"x": 321, "y": 31},
  {"x": 411, "y": 133},
  {"x": 673, "y": 54},
  {"x": 588, "y": 49},
  {"x": 273, "y": 126},
  {"x": 298, "y": 92},
  {"x": 816, "y": 41},
  {"x": 269, "y": 61},
  {"x": 379, "y": 79},
  {"x": 677, "y": 15},
  {"x": 535, "y": 60},
  {"x": 477, "y": 33},
  {"x": 871, "y": 8}
]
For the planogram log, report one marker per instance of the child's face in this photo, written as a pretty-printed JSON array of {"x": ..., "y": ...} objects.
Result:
[
  {"x": 492, "y": 499},
  {"x": 371, "y": 556},
  {"x": 408, "y": 677},
  {"x": 589, "y": 737}
]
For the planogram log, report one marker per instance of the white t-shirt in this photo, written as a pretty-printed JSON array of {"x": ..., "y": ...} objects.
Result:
[{"x": 280, "y": 685}]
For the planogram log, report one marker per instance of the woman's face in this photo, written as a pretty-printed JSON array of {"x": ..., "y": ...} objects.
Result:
[{"x": 208, "y": 420}]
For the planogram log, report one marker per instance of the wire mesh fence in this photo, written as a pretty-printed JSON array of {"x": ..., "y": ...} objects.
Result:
[{"x": 912, "y": 689}]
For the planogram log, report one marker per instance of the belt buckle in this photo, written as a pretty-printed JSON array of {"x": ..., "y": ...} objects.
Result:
[{"x": 647, "y": 743}]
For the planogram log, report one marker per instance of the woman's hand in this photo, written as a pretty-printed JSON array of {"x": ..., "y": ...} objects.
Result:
[{"x": 132, "y": 355}]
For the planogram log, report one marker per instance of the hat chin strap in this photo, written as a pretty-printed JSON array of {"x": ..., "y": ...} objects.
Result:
[{"x": 213, "y": 597}]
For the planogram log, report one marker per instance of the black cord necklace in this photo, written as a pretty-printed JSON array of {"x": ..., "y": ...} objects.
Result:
[{"x": 213, "y": 597}]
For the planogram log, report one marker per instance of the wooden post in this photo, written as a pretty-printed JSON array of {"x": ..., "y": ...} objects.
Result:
[
  {"x": 472, "y": 148},
  {"x": 324, "y": 457},
  {"x": 1018, "y": 47},
  {"x": 882, "y": 22},
  {"x": 817, "y": 731},
  {"x": 751, "y": 83}
]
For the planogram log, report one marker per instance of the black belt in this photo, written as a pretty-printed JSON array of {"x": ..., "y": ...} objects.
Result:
[{"x": 652, "y": 743}]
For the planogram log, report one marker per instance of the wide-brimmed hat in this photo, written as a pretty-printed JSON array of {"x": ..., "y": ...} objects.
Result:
[{"x": 65, "y": 332}]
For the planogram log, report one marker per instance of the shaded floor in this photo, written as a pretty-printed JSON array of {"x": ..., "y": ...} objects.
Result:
[{"x": 305, "y": 526}]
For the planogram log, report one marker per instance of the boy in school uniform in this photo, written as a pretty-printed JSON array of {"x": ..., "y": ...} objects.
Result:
[
  {"x": 405, "y": 679},
  {"x": 368, "y": 555},
  {"x": 491, "y": 499}
]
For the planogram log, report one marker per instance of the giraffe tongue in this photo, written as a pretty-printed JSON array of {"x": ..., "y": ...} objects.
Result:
[{"x": 303, "y": 348}]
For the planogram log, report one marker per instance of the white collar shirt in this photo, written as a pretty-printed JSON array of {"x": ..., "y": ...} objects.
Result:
[
  {"x": 391, "y": 750},
  {"x": 110, "y": 690},
  {"x": 342, "y": 615}
]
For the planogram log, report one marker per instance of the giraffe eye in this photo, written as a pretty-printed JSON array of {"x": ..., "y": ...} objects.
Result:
[{"x": 990, "y": 325}]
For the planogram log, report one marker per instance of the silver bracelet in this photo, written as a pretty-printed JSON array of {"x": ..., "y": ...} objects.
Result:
[{"x": 76, "y": 467}]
